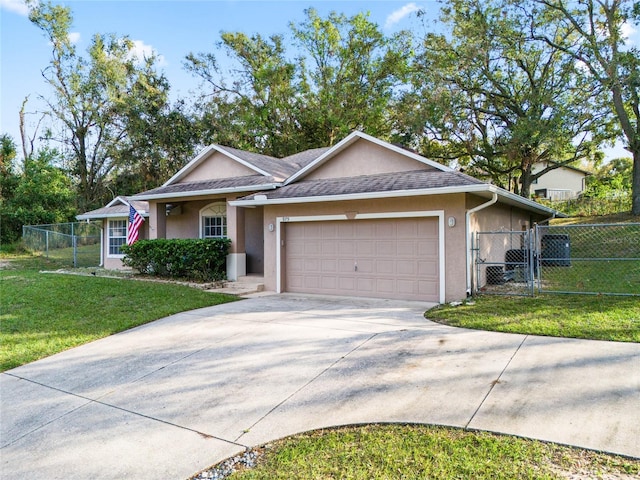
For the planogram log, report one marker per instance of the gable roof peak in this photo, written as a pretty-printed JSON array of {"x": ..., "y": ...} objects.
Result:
[{"x": 354, "y": 137}]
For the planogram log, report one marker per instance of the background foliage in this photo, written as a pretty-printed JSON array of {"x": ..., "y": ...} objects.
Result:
[{"x": 497, "y": 86}]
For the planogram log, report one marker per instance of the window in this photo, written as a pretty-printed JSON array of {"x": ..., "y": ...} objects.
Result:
[
  {"x": 213, "y": 221},
  {"x": 117, "y": 236}
]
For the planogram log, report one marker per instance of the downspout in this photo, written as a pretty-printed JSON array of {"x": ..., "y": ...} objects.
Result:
[{"x": 493, "y": 200}]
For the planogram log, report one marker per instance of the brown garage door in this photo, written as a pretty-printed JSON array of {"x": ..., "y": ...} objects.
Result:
[{"x": 387, "y": 258}]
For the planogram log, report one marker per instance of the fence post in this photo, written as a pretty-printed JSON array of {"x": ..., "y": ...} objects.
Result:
[
  {"x": 47, "y": 244},
  {"x": 74, "y": 242}
]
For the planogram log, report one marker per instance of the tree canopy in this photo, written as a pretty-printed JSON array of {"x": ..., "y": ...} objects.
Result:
[{"x": 496, "y": 87}]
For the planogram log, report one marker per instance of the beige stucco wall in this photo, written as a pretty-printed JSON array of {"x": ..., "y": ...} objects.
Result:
[
  {"x": 365, "y": 158},
  {"x": 559, "y": 179},
  {"x": 453, "y": 206},
  {"x": 217, "y": 165},
  {"x": 115, "y": 263}
]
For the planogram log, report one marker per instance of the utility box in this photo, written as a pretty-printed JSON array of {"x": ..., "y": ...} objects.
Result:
[{"x": 556, "y": 250}]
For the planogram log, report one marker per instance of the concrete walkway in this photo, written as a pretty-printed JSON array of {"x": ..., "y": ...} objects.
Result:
[{"x": 170, "y": 398}]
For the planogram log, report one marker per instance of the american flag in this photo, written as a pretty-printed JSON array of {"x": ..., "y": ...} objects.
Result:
[{"x": 135, "y": 222}]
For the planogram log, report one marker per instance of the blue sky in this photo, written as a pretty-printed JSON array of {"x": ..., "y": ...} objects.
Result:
[{"x": 171, "y": 28}]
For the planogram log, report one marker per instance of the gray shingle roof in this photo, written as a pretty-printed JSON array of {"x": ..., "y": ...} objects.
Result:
[
  {"x": 249, "y": 181},
  {"x": 302, "y": 159},
  {"x": 274, "y": 166},
  {"x": 118, "y": 209},
  {"x": 387, "y": 182}
]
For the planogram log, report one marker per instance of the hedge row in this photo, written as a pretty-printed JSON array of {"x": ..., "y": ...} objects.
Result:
[{"x": 191, "y": 259}]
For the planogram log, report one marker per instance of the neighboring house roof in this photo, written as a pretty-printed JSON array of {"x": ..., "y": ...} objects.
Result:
[
  {"x": 117, "y": 208},
  {"x": 575, "y": 169},
  {"x": 249, "y": 183}
]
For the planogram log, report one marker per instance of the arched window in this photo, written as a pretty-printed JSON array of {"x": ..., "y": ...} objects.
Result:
[{"x": 213, "y": 220}]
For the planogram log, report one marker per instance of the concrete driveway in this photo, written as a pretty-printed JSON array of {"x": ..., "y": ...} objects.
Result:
[{"x": 170, "y": 398}]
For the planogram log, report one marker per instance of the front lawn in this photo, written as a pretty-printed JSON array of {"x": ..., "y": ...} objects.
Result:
[
  {"x": 42, "y": 314},
  {"x": 422, "y": 451},
  {"x": 595, "y": 317}
]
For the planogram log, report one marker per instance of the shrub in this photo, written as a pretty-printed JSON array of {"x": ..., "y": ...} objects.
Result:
[{"x": 191, "y": 259}]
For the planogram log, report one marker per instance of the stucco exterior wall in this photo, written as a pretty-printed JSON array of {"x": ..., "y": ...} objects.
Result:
[
  {"x": 217, "y": 165},
  {"x": 452, "y": 205},
  {"x": 365, "y": 158}
]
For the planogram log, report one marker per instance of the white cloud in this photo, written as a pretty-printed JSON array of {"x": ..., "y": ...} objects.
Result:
[
  {"x": 74, "y": 37},
  {"x": 399, "y": 14},
  {"x": 629, "y": 34},
  {"x": 16, "y": 6},
  {"x": 141, "y": 50}
]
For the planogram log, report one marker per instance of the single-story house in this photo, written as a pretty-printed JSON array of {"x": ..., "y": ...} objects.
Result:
[
  {"x": 562, "y": 183},
  {"x": 361, "y": 218}
]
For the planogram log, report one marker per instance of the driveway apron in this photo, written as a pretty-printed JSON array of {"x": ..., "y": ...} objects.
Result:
[{"x": 168, "y": 399}]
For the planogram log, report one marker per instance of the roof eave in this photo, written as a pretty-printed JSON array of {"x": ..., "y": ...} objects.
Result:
[
  {"x": 478, "y": 189},
  {"x": 98, "y": 216},
  {"x": 199, "y": 193}
]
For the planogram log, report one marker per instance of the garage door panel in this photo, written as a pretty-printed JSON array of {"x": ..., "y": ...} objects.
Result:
[
  {"x": 384, "y": 248},
  {"x": 428, "y": 229},
  {"x": 329, "y": 266},
  {"x": 346, "y": 247},
  {"x": 329, "y": 249},
  {"x": 346, "y": 266},
  {"x": 407, "y": 267},
  {"x": 347, "y": 284},
  {"x": 365, "y": 247},
  {"x": 364, "y": 229},
  {"x": 365, "y": 285},
  {"x": 426, "y": 247},
  {"x": 329, "y": 282},
  {"x": 407, "y": 248},
  {"x": 385, "y": 266},
  {"x": 427, "y": 269},
  {"x": 395, "y": 258},
  {"x": 365, "y": 266},
  {"x": 312, "y": 248}
]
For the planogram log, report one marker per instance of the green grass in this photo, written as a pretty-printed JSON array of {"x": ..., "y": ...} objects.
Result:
[
  {"x": 420, "y": 451},
  {"x": 46, "y": 313},
  {"x": 606, "y": 276},
  {"x": 594, "y": 317}
]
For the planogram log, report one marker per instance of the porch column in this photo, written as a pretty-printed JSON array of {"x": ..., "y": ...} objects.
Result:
[
  {"x": 157, "y": 220},
  {"x": 237, "y": 258}
]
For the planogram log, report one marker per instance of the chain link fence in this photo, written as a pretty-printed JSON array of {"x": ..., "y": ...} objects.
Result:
[
  {"x": 72, "y": 244},
  {"x": 590, "y": 259},
  {"x": 504, "y": 263},
  {"x": 586, "y": 259}
]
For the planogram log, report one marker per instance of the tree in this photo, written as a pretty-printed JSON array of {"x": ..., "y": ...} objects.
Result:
[
  {"x": 611, "y": 179},
  {"x": 351, "y": 74},
  {"x": 496, "y": 102},
  {"x": 604, "y": 58},
  {"x": 95, "y": 100},
  {"x": 255, "y": 109},
  {"x": 41, "y": 193},
  {"x": 344, "y": 78}
]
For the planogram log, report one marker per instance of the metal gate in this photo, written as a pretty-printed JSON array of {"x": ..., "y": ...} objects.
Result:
[{"x": 505, "y": 262}]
